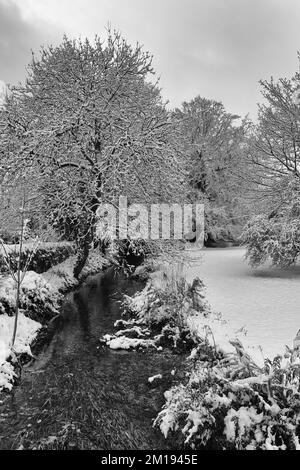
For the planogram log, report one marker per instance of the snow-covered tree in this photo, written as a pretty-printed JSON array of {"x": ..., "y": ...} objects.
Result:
[
  {"x": 214, "y": 143},
  {"x": 91, "y": 122},
  {"x": 275, "y": 151},
  {"x": 275, "y": 177}
]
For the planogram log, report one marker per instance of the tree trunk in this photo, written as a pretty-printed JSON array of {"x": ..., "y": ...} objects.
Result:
[{"x": 81, "y": 258}]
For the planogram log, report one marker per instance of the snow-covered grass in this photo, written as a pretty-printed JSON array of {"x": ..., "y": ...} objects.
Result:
[
  {"x": 157, "y": 315},
  {"x": 220, "y": 334},
  {"x": 26, "y": 333},
  {"x": 41, "y": 296}
]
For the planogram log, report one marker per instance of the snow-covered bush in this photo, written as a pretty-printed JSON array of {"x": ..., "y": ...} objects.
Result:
[
  {"x": 95, "y": 263},
  {"x": 131, "y": 253},
  {"x": 42, "y": 259},
  {"x": 230, "y": 403},
  {"x": 277, "y": 236},
  {"x": 27, "y": 331},
  {"x": 161, "y": 311},
  {"x": 272, "y": 239},
  {"x": 38, "y": 299},
  {"x": 153, "y": 314},
  {"x": 220, "y": 223}
]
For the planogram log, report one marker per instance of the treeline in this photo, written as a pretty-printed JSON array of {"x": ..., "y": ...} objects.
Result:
[{"x": 89, "y": 124}]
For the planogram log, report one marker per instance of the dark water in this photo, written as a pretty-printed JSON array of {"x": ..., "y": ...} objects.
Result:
[{"x": 78, "y": 394}]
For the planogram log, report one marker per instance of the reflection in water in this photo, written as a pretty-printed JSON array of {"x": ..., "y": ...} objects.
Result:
[
  {"x": 84, "y": 319},
  {"x": 266, "y": 301},
  {"x": 100, "y": 397}
]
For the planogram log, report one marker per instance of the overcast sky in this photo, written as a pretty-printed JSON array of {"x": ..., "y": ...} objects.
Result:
[{"x": 216, "y": 48}]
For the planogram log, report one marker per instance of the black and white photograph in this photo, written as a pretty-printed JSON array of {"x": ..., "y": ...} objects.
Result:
[{"x": 149, "y": 228}]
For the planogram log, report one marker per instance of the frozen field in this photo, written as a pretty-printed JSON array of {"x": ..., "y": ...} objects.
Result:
[{"x": 265, "y": 301}]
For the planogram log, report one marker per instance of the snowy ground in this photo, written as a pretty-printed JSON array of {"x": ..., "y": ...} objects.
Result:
[
  {"x": 27, "y": 330},
  {"x": 265, "y": 301}
]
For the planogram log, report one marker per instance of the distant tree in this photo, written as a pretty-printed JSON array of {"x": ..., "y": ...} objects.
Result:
[
  {"x": 274, "y": 180},
  {"x": 91, "y": 122},
  {"x": 214, "y": 145},
  {"x": 275, "y": 150}
]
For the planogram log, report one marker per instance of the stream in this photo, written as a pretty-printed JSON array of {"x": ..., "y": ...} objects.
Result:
[{"x": 78, "y": 394}]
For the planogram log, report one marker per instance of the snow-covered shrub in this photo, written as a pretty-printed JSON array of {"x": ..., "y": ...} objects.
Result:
[
  {"x": 131, "y": 253},
  {"x": 94, "y": 264},
  {"x": 160, "y": 310},
  {"x": 230, "y": 403},
  {"x": 26, "y": 333},
  {"x": 41, "y": 258},
  {"x": 271, "y": 239},
  {"x": 38, "y": 299},
  {"x": 220, "y": 225},
  {"x": 277, "y": 236},
  {"x": 142, "y": 272}
]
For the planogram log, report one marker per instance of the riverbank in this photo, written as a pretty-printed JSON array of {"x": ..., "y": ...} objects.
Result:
[
  {"x": 78, "y": 394},
  {"x": 174, "y": 313},
  {"x": 42, "y": 295},
  {"x": 232, "y": 397},
  {"x": 86, "y": 394}
]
